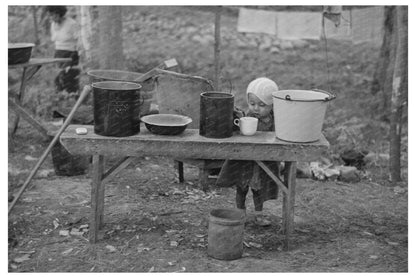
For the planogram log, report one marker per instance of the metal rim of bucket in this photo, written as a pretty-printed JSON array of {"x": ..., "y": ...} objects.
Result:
[
  {"x": 298, "y": 142},
  {"x": 210, "y": 94},
  {"x": 21, "y": 45},
  {"x": 135, "y": 86},
  {"x": 96, "y": 74},
  {"x": 215, "y": 218},
  {"x": 288, "y": 98}
]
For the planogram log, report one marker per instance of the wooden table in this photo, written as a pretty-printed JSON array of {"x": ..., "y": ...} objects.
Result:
[
  {"x": 29, "y": 69},
  {"x": 263, "y": 146}
]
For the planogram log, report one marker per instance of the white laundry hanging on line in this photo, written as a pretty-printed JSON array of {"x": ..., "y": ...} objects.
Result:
[
  {"x": 299, "y": 25},
  {"x": 367, "y": 24},
  {"x": 256, "y": 21}
]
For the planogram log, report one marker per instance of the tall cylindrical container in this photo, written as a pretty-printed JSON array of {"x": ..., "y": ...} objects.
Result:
[
  {"x": 116, "y": 108},
  {"x": 216, "y": 115},
  {"x": 146, "y": 92},
  {"x": 225, "y": 234}
]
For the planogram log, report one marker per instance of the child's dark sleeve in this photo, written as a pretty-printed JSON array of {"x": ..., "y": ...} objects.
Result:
[{"x": 237, "y": 113}]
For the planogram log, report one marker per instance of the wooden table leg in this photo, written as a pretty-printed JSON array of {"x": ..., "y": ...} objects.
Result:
[
  {"x": 97, "y": 197},
  {"x": 179, "y": 166},
  {"x": 203, "y": 179},
  {"x": 289, "y": 202}
]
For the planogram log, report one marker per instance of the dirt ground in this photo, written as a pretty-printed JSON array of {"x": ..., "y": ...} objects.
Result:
[{"x": 155, "y": 224}]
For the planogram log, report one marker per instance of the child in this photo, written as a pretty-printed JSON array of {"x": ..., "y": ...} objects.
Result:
[
  {"x": 247, "y": 174},
  {"x": 65, "y": 35}
]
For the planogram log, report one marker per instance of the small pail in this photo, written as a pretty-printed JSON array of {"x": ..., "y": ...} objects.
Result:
[
  {"x": 66, "y": 164},
  {"x": 216, "y": 115},
  {"x": 116, "y": 108},
  {"x": 299, "y": 114},
  {"x": 225, "y": 234}
]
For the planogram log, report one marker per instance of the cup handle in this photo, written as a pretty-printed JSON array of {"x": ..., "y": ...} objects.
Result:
[{"x": 237, "y": 122}]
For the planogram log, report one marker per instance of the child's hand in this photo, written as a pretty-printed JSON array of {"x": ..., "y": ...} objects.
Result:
[{"x": 238, "y": 113}]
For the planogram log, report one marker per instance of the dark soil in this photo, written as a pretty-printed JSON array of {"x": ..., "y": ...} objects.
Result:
[{"x": 358, "y": 227}]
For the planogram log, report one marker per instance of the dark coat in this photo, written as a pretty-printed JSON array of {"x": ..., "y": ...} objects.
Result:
[{"x": 246, "y": 173}]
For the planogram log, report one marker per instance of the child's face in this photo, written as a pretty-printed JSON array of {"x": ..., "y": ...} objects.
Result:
[{"x": 258, "y": 107}]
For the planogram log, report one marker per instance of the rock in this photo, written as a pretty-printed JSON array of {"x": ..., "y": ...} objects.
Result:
[
  {"x": 317, "y": 171},
  {"x": 300, "y": 43},
  {"x": 384, "y": 157},
  {"x": 22, "y": 258},
  {"x": 64, "y": 233},
  {"x": 348, "y": 174},
  {"x": 303, "y": 170},
  {"x": 30, "y": 158},
  {"x": 399, "y": 190},
  {"x": 44, "y": 173},
  {"x": 274, "y": 50},
  {"x": 332, "y": 174},
  {"x": 111, "y": 248},
  {"x": 370, "y": 158},
  {"x": 286, "y": 45}
]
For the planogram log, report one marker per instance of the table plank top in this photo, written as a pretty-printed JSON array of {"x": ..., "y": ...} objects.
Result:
[
  {"x": 261, "y": 146},
  {"x": 40, "y": 62}
]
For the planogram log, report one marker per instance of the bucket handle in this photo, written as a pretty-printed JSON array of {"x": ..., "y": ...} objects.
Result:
[
  {"x": 229, "y": 82},
  {"x": 329, "y": 97}
]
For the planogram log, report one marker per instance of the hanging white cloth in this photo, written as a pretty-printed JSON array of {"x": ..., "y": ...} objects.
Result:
[
  {"x": 299, "y": 25},
  {"x": 256, "y": 21}
]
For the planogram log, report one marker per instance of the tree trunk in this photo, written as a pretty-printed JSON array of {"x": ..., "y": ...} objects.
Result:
[
  {"x": 86, "y": 33},
  {"x": 217, "y": 47},
  {"x": 35, "y": 24},
  {"x": 384, "y": 69},
  {"x": 111, "y": 43},
  {"x": 399, "y": 91}
]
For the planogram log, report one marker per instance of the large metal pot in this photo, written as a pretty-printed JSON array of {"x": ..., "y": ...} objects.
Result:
[{"x": 116, "y": 108}]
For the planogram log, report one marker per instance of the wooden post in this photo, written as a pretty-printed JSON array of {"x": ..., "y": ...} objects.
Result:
[{"x": 217, "y": 46}]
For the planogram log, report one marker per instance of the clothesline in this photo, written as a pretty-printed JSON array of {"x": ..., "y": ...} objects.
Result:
[{"x": 358, "y": 25}]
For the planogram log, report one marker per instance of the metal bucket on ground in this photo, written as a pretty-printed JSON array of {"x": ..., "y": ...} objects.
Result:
[
  {"x": 66, "y": 164},
  {"x": 147, "y": 89},
  {"x": 216, "y": 115},
  {"x": 299, "y": 114},
  {"x": 116, "y": 108},
  {"x": 225, "y": 234}
]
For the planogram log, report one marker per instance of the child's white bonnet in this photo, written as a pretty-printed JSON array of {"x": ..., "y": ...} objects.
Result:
[{"x": 263, "y": 88}]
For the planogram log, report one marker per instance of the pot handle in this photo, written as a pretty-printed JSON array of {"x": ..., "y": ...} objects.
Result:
[{"x": 330, "y": 95}]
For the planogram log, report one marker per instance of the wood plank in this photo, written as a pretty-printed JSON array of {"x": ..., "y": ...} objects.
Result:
[
  {"x": 262, "y": 146},
  {"x": 27, "y": 117},
  {"x": 273, "y": 176},
  {"x": 40, "y": 61},
  {"x": 116, "y": 168},
  {"x": 97, "y": 197},
  {"x": 289, "y": 202}
]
